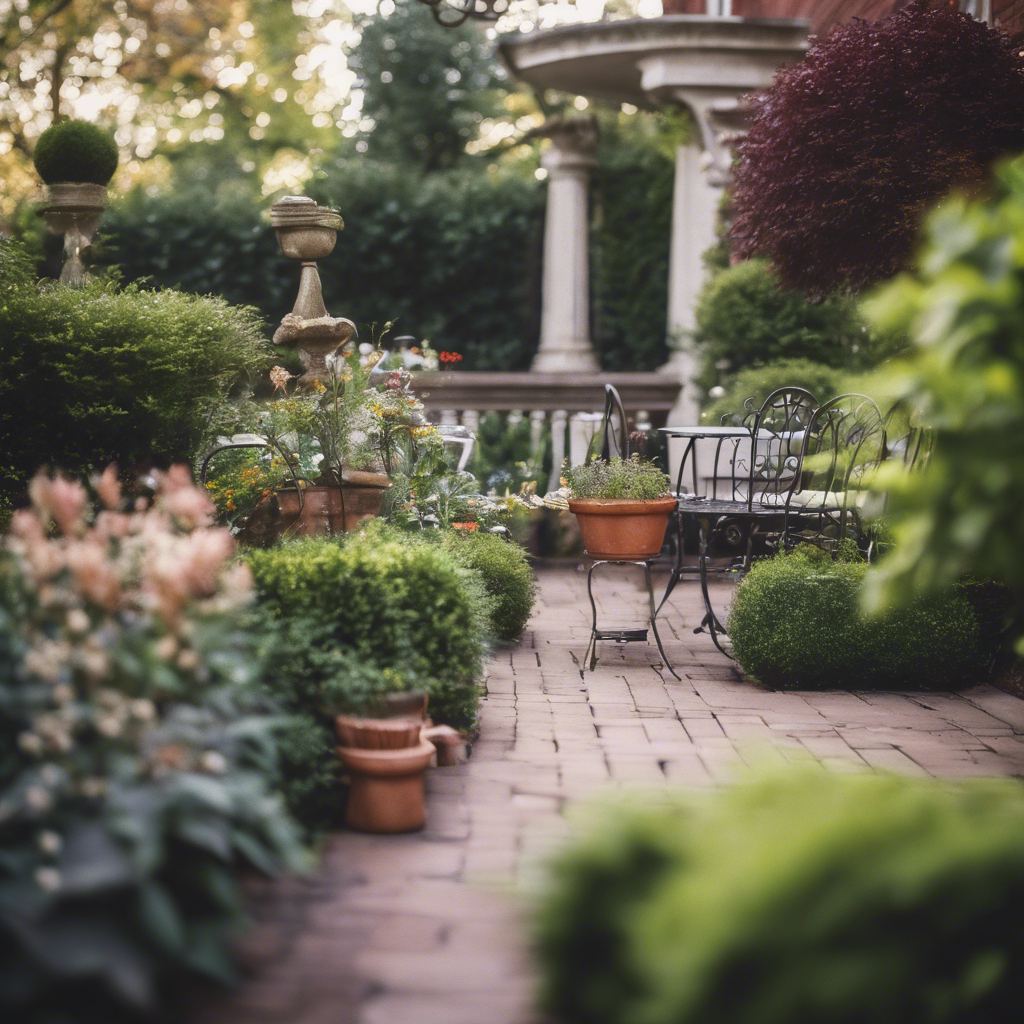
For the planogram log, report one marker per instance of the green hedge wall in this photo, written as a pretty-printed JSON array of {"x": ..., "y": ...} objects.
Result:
[{"x": 453, "y": 257}]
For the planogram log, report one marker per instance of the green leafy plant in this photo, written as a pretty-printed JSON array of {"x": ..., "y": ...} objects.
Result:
[
  {"x": 138, "y": 760},
  {"x": 617, "y": 478},
  {"x": 76, "y": 151},
  {"x": 964, "y": 381},
  {"x": 806, "y": 896},
  {"x": 99, "y": 373},
  {"x": 796, "y": 623},
  {"x": 505, "y": 570}
]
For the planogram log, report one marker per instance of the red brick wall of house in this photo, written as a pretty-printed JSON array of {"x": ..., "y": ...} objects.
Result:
[
  {"x": 822, "y": 14},
  {"x": 1009, "y": 15}
]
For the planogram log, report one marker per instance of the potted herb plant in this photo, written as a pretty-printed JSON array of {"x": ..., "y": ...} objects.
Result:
[
  {"x": 623, "y": 507},
  {"x": 76, "y": 161}
]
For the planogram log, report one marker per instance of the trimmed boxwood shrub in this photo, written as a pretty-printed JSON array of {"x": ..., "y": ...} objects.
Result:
[
  {"x": 76, "y": 151},
  {"x": 758, "y": 382},
  {"x": 796, "y": 623},
  {"x": 505, "y": 570},
  {"x": 797, "y": 898},
  {"x": 744, "y": 318},
  {"x": 101, "y": 374},
  {"x": 345, "y": 620}
]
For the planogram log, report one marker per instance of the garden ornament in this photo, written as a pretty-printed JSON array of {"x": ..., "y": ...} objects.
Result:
[{"x": 307, "y": 232}]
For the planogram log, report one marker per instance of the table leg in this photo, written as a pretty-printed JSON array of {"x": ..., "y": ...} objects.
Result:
[{"x": 654, "y": 620}]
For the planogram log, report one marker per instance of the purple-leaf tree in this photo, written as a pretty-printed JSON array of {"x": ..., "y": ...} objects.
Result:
[{"x": 851, "y": 145}]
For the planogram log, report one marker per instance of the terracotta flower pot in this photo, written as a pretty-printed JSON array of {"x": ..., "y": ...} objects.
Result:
[
  {"x": 386, "y": 789},
  {"x": 622, "y": 529},
  {"x": 327, "y": 511}
]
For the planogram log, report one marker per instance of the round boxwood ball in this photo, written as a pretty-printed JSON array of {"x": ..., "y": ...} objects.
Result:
[{"x": 76, "y": 151}]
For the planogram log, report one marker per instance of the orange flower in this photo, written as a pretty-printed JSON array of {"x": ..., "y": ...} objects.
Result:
[{"x": 469, "y": 527}]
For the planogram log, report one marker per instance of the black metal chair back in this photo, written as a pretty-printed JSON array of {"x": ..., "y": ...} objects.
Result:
[
  {"x": 843, "y": 445},
  {"x": 779, "y": 431},
  {"x": 904, "y": 440},
  {"x": 614, "y": 432}
]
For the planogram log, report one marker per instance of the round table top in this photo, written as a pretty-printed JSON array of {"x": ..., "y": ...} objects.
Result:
[{"x": 708, "y": 431}]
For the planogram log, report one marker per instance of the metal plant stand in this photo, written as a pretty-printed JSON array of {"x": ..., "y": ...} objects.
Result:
[{"x": 622, "y": 636}]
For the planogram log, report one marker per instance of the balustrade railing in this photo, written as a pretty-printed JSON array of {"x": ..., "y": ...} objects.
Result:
[{"x": 566, "y": 406}]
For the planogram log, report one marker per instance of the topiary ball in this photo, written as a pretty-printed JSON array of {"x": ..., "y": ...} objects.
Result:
[
  {"x": 796, "y": 623},
  {"x": 76, "y": 151}
]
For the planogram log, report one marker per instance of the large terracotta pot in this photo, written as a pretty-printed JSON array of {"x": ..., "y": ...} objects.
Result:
[
  {"x": 386, "y": 787},
  {"x": 620, "y": 529},
  {"x": 332, "y": 510}
]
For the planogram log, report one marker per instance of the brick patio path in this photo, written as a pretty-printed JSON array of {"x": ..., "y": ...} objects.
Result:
[{"x": 427, "y": 928}]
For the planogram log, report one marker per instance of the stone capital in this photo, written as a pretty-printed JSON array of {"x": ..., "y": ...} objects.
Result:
[{"x": 573, "y": 144}]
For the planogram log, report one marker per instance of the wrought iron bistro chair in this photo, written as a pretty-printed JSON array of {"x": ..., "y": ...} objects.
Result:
[
  {"x": 764, "y": 469},
  {"x": 614, "y": 439},
  {"x": 843, "y": 445}
]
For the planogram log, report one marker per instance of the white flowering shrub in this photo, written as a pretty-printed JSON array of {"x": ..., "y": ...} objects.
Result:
[{"x": 136, "y": 765}]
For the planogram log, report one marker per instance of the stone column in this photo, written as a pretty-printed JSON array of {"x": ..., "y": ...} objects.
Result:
[
  {"x": 565, "y": 296},
  {"x": 695, "y": 203}
]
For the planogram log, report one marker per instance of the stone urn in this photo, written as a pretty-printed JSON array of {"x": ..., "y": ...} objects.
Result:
[
  {"x": 307, "y": 233},
  {"x": 73, "y": 209}
]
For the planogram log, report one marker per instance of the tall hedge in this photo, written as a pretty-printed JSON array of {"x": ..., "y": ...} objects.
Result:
[
  {"x": 101, "y": 374},
  {"x": 453, "y": 256}
]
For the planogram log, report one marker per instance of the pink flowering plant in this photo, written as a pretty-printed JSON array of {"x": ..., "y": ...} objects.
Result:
[{"x": 137, "y": 761}]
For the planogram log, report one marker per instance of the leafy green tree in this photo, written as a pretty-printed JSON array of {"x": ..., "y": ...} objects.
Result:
[
  {"x": 426, "y": 88},
  {"x": 964, "y": 381}
]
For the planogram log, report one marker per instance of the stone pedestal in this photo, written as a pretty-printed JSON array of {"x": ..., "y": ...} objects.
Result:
[{"x": 565, "y": 308}]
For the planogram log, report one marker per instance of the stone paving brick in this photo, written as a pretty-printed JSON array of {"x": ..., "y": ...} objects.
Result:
[{"x": 426, "y": 928}]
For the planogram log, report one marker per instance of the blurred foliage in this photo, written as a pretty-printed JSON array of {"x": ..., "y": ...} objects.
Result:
[
  {"x": 851, "y": 145},
  {"x": 758, "y": 382},
  {"x": 799, "y": 897},
  {"x": 452, "y": 257},
  {"x": 100, "y": 373},
  {"x": 212, "y": 90},
  {"x": 796, "y": 623},
  {"x": 503, "y": 458},
  {"x": 744, "y": 318},
  {"x": 426, "y": 88},
  {"x": 964, "y": 310}
]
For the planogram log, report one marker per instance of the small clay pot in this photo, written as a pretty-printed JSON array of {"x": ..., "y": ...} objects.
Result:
[
  {"x": 620, "y": 529},
  {"x": 378, "y": 733},
  {"x": 386, "y": 788}
]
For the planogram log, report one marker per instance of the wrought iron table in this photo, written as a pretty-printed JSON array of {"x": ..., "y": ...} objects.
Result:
[{"x": 706, "y": 511}]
